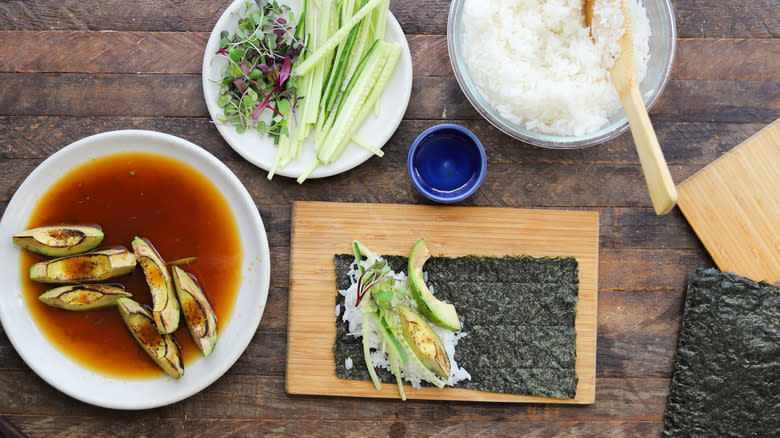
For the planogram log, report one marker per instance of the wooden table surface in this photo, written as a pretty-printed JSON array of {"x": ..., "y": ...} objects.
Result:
[{"x": 70, "y": 69}]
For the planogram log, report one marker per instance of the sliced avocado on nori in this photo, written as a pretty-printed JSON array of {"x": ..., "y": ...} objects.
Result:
[
  {"x": 438, "y": 312},
  {"x": 424, "y": 342},
  {"x": 518, "y": 314},
  {"x": 726, "y": 379}
]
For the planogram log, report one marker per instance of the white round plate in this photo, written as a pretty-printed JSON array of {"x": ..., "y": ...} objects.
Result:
[
  {"x": 260, "y": 150},
  {"x": 73, "y": 379}
]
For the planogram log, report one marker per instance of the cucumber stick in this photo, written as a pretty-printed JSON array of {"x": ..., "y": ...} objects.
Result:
[
  {"x": 360, "y": 101},
  {"x": 353, "y": 102},
  {"x": 336, "y": 39},
  {"x": 341, "y": 74}
]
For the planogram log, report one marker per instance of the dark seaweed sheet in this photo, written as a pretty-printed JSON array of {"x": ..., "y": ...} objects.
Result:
[
  {"x": 518, "y": 313},
  {"x": 726, "y": 379}
]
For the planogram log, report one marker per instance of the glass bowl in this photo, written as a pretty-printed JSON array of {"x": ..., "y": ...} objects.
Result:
[{"x": 662, "y": 41}]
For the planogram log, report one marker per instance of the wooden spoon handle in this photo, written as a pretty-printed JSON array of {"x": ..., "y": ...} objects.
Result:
[{"x": 659, "y": 181}]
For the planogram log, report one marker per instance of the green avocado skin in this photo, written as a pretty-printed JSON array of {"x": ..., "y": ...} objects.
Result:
[
  {"x": 517, "y": 314},
  {"x": 726, "y": 379}
]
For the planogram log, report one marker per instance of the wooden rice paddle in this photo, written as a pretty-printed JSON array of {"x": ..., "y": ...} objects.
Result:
[{"x": 659, "y": 181}]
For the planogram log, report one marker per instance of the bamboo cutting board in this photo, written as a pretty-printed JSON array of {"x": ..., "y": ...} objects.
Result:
[
  {"x": 733, "y": 205},
  {"x": 322, "y": 229}
]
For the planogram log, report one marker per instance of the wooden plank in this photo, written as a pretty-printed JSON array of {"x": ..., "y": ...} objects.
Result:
[
  {"x": 699, "y": 19},
  {"x": 252, "y": 397},
  {"x": 727, "y": 59},
  {"x": 182, "y": 52},
  {"x": 734, "y": 206},
  {"x": 102, "y": 52},
  {"x": 432, "y": 98},
  {"x": 90, "y": 427},
  {"x": 320, "y": 230},
  {"x": 689, "y": 143}
]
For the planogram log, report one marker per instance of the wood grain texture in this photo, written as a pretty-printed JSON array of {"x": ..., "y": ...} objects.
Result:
[
  {"x": 734, "y": 206},
  {"x": 320, "y": 230},
  {"x": 69, "y": 69},
  {"x": 685, "y": 143},
  {"x": 182, "y": 53},
  {"x": 432, "y": 98},
  {"x": 393, "y": 428},
  {"x": 695, "y": 18}
]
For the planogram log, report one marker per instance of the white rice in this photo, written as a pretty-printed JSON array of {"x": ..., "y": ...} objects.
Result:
[
  {"x": 354, "y": 317},
  {"x": 535, "y": 62}
]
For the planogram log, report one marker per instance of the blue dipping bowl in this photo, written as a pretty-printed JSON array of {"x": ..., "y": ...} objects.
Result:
[{"x": 447, "y": 163}]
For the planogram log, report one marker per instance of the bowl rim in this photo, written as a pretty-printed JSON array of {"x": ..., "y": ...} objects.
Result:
[
  {"x": 562, "y": 142},
  {"x": 414, "y": 176}
]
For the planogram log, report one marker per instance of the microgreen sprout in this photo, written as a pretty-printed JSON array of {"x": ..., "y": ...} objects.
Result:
[{"x": 257, "y": 77}]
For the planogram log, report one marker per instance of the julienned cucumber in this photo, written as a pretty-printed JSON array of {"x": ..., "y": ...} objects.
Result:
[
  {"x": 392, "y": 54},
  {"x": 336, "y": 39},
  {"x": 347, "y": 118},
  {"x": 357, "y": 103},
  {"x": 341, "y": 74}
]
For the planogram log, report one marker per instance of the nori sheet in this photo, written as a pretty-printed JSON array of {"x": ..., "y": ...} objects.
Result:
[
  {"x": 518, "y": 313},
  {"x": 726, "y": 380}
]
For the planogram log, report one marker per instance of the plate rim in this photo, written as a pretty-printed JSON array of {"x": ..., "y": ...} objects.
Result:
[
  {"x": 27, "y": 345},
  {"x": 403, "y": 73}
]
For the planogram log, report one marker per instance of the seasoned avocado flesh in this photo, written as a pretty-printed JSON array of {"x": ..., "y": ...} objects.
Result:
[
  {"x": 165, "y": 308},
  {"x": 61, "y": 240},
  {"x": 424, "y": 342},
  {"x": 198, "y": 314},
  {"x": 441, "y": 314},
  {"x": 83, "y": 296},
  {"x": 84, "y": 268},
  {"x": 162, "y": 348}
]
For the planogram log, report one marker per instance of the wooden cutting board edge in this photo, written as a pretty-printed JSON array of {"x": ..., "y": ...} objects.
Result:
[
  {"x": 297, "y": 382},
  {"x": 701, "y": 221}
]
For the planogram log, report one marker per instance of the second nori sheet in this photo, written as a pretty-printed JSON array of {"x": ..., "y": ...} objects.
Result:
[
  {"x": 726, "y": 380},
  {"x": 518, "y": 313}
]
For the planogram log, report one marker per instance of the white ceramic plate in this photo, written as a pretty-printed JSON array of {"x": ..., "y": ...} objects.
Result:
[
  {"x": 73, "y": 379},
  {"x": 260, "y": 151}
]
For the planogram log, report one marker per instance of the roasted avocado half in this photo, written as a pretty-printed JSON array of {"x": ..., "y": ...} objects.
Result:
[
  {"x": 84, "y": 296},
  {"x": 161, "y": 347},
  {"x": 198, "y": 314},
  {"x": 165, "y": 309},
  {"x": 60, "y": 240},
  {"x": 89, "y": 267},
  {"x": 425, "y": 343},
  {"x": 441, "y": 314}
]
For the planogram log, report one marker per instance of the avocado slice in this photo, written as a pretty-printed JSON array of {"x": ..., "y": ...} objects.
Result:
[
  {"x": 88, "y": 267},
  {"x": 165, "y": 309},
  {"x": 198, "y": 314},
  {"x": 425, "y": 343},
  {"x": 161, "y": 347},
  {"x": 441, "y": 314},
  {"x": 84, "y": 296},
  {"x": 60, "y": 240}
]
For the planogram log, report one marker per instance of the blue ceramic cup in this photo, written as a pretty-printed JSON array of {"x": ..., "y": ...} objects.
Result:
[{"x": 447, "y": 163}]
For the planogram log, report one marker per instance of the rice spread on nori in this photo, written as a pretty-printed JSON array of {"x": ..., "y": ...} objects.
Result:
[
  {"x": 726, "y": 379},
  {"x": 517, "y": 312}
]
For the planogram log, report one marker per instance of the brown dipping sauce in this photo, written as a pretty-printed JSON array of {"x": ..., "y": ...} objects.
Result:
[{"x": 137, "y": 194}]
